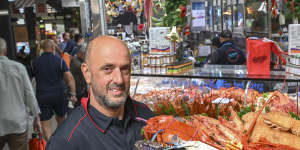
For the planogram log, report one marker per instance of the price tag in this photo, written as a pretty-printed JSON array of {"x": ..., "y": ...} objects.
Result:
[{"x": 222, "y": 100}]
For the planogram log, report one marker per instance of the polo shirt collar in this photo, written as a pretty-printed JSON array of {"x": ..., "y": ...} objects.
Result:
[
  {"x": 3, "y": 57},
  {"x": 103, "y": 122}
]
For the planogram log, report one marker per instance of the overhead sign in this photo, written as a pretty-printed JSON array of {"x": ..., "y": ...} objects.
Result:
[
  {"x": 70, "y": 3},
  {"x": 199, "y": 16}
]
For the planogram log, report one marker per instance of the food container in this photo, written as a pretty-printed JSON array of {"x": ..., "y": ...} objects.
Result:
[
  {"x": 162, "y": 59},
  {"x": 163, "y": 69},
  {"x": 149, "y": 60},
  {"x": 147, "y": 69},
  {"x": 153, "y": 60},
  {"x": 172, "y": 59},
  {"x": 158, "y": 60},
  {"x": 157, "y": 69},
  {"x": 152, "y": 68},
  {"x": 166, "y": 59}
]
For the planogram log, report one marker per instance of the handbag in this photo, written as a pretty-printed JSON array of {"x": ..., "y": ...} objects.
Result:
[{"x": 37, "y": 142}]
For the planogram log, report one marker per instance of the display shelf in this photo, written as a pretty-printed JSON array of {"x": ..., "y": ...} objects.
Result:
[{"x": 224, "y": 72}]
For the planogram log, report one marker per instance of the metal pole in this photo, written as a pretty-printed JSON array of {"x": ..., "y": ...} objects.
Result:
[
  {"x": 84, "y": 17},
  {"x": 269, "y": 14},
  {"x": 213, "y": 15},
  {"x": 103, "y": 17},
  {"x": 222, "y": 19},
  {"x": 98, "y": 18},
  {"x": 244, "y": 18},
  {"x": 297, "y": 94}
]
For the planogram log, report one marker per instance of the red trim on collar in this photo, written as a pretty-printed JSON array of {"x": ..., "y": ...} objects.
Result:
[
  {"x": 84, "y": 102},
  {"x": 134, "y": 105},
  {"x": 73, "y": 130}
]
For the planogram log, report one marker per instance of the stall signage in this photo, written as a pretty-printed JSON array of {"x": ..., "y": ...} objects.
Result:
[
  {"x": 41, "y": 8},
  {"x": 214, "y": 84},
  {"x": 70, "y": 3},
  {"x": 198, "y": 13},
  {"x": 157, "y": 42},
  {"x": 294, "y": 39}
]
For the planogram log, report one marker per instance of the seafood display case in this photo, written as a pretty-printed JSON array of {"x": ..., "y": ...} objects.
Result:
[{"x": 219, "y": 107}]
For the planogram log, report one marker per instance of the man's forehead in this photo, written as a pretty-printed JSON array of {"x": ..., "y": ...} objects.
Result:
[
  {"x": 108, "y": 44},
  {"x": 108, "y": 47}
]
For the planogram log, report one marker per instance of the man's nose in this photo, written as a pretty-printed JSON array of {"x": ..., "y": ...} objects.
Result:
[{"x": 118, "y": 77}]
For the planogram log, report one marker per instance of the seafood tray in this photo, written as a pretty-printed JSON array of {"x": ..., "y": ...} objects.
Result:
[
  {"x": 254, "y": 130},
  {"x": 187, "y": 145}
]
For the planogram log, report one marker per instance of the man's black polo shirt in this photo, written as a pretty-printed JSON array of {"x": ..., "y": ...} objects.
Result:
[{"x": 94, "y": 131}]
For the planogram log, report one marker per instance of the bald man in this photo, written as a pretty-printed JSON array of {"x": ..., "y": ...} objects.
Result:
[
  {"x": 109, "y": 119},
  {"x": 50, "y": 72}
]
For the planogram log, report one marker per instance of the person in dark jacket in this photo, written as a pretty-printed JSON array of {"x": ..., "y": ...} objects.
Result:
[
  {"x": 228, "y": 53},
  {"x": 75, "y": 68},
  {"x": 79, "y": 42},
  {"x": 108, "y": 119}
]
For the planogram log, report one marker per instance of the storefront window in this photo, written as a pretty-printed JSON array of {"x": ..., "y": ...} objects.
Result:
[
  {"x": 256, "y": 16},
  {"x": 217, "y": 15},
  {"x": 238, "y": 16}
]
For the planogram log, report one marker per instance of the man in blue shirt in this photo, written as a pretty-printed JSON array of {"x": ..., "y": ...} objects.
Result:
[
  {"x": 50, "y": 72},
  {"x": 68, "y": 44},
  {"x": 109, "y": 119}
]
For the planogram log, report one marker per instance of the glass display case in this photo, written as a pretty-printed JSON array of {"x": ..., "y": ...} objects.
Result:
[
  {"x": 220, "y": 84},
  {"x": 218, "y": 99}
]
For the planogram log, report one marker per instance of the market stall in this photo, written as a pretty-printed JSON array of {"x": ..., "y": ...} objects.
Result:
[{"x": 215, "y": 108}]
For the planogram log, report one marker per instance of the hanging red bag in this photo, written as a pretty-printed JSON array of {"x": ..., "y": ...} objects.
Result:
[
  {"x": 259, "y": 55},
  {"x": 37, "y": 142}
]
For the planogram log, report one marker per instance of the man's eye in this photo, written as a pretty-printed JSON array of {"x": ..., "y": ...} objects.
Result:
[
  {"x": 106, "y": 68},
  {"x": 126, "y": 69}
]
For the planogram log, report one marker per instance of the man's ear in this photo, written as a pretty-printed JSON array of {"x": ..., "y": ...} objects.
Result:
[{"x": 86, "y": 73}]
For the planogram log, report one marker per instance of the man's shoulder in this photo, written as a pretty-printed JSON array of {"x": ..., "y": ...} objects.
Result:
[
  {"x": 142, "y": 110},
  {"x": 15, "y": 64},
  {"x": 71, "y": 124},
  {"x": 47, "y": 58},
  {"x": 70, "y": 133},
  {"x": 75, "y": 60}
]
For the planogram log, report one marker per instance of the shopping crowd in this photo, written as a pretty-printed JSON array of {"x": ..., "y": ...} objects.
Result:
[{"x": 106, "y": 118}]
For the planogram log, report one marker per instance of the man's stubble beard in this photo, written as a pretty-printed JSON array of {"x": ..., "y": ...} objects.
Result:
[{"x": 104, "y": 100}]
